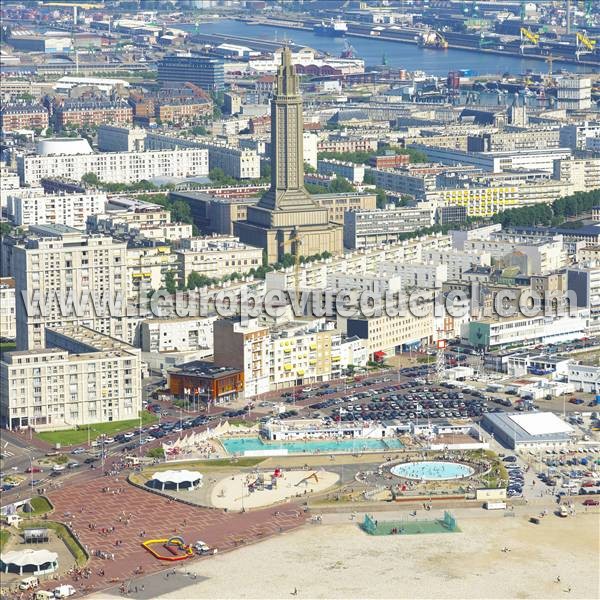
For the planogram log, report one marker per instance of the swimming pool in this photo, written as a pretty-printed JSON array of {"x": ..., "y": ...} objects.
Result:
[
  {"x": 432, "y": 470},
  {"x": 241, "y": 446}
]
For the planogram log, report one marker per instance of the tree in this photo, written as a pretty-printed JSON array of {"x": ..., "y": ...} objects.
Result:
[
  {"x": 181, "y": 212},
  {"x": 170, "y": 282},
  {"x": 381, "y": 196},
  {"x": 309, "y": 168},
  {"x": 265, "y": 170},
  {"x": 5, "y": 228},
  {"x": 369, "y": 178},
  {"x": 196, "y": 280},
  {"x": 90, "y": 179},
  {"x": 340, "y": 185}
]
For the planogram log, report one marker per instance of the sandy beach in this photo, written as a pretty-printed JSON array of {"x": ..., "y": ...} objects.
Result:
[{"x": 337, "y": 560}]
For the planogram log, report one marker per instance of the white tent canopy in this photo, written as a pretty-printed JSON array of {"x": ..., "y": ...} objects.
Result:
[
  {"x": 19, "y": 559},
  {"x": 177, "y": 478}
]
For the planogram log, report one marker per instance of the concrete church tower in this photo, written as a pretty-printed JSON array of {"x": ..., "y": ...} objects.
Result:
[{"x": 287, "y": 214}]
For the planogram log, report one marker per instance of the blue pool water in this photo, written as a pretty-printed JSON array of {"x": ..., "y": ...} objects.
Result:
[
  {"x": 241, "y": 445},
  {"x": 432, "y": 470}
]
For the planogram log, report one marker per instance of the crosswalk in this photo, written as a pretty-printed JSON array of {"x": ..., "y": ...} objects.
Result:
[{"x": 7, "y": 453}]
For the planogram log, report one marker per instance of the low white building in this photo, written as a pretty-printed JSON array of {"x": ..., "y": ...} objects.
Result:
[
  {"x": 585, "y": 378},
  {"x": 523, "y": 331}
]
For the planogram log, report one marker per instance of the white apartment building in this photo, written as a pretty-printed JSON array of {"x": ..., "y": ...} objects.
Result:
[
  {"x": 244, "y": 346},
  {"x": 310, "y": 142},
  {"x": 523, "y": 331},
  {"x": 59, "y": 264},
  {"x": 416, "y": 275},
  {"x": 8, "y": 320},
  {"x": 71, "y": 210},
  {"x": 115, "y": 167},
  {"x": 576, "y": 135},
  {"x": 240, "y": 163},
  {"x": 456, "y": 261},
  {"x": 574, "y": 92},
  {"x": 582, "y": 174},
  {"x": 216, "y": 257},
  {"x": 497, "y": 161},
  {"x": 121, "y": 139},
  {"x": 9, "y": 181},
  {"x": 365, "y": 227},
  {"x": 314, "y": 275},
  {"x": 364, "y": 282},
  {"x": 535, "y": 255},
  {"x": 177, "y": 335},
  {"x": 353, "y": 172},
  {"x": 147, "y": 267},
  {"x": 82, "y": 377},
  {"x": 277, "y": 356},
  {"x": 387, "y": 335}
]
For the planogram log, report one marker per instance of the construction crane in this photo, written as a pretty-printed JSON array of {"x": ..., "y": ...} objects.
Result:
[
  {"x": 294, "y": 242},
  {"x": 585, "y": 45},
  {"x": 528, "y": 37}
]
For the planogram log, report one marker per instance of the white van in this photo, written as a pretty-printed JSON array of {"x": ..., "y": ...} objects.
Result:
[
  {"x": 64, "y": 591},
  {"x": 43, "y": 595},
  {"x": 29, "y": 583}
]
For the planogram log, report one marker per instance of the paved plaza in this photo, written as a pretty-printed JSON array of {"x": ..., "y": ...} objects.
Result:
[{"x": 113, "y": 517}]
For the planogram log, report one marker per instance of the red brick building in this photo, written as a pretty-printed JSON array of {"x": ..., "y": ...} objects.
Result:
[
  {"x": 387, "y": 161},
  {"x": 79, "y": 114},
  {"x": 23, "y": 116}
]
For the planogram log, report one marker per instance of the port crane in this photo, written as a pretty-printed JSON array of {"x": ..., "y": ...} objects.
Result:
[
  {"x": 528, "y": 38},
  {"x": 433, "y": 39},
  {"x": 585, "y": 45}
]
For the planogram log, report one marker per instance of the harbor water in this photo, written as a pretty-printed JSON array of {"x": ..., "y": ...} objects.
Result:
[{"x": 374, "y": 52}]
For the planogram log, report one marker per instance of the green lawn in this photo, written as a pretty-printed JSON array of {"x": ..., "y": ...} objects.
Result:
[
  {"x": 8, "y": 346},
  {"x": 72, "y": 437},
  {"x": 40, "y": 505}
]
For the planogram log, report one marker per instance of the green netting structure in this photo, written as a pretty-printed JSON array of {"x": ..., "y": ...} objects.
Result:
[{"x": 410, "y": 526}]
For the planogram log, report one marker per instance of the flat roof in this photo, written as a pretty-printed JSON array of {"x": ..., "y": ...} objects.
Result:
[
  {"x": 198, "y": 368},
  {"x": 536, "y": 431}
]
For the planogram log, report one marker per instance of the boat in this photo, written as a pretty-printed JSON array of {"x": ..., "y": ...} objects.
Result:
[{"x": 332, "y": 28}]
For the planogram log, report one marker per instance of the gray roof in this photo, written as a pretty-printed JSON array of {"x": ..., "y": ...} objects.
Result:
[{"x": 510, "y": 429}]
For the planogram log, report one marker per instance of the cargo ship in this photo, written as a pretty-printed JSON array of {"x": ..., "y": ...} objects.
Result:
[{"x": 332, "y": 28}]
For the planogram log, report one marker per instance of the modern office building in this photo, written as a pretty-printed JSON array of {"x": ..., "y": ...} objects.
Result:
[
  {"x": 574, "y": 92},
  {"x": 80, "y": 377},
  {"x": 205, "y": 72}
]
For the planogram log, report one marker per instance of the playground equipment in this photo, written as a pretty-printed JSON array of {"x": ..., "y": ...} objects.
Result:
[
  {"x": 409, "y": 526},
  {"x": 175, "y": 546},
  {"x": 305, "y": 480}
]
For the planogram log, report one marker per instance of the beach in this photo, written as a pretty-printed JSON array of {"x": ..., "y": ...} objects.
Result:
[{"x": 337, "y": 560}]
